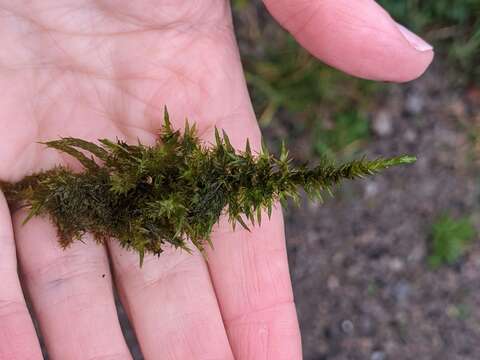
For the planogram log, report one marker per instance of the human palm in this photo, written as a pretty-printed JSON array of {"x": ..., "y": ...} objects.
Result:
[{"x": 106, "y": 69}]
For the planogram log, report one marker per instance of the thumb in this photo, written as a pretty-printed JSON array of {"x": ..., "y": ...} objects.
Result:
[{"x": 358, "y": 37}]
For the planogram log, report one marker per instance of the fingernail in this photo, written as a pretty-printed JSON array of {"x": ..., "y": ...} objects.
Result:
[{"x": 416, "y": 41}]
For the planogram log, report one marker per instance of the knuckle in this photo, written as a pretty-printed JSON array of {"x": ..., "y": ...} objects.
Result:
[{"x": 11, "y": 307}]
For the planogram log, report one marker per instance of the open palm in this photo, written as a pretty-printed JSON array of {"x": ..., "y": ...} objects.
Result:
[{"x": 104, "y": 68}]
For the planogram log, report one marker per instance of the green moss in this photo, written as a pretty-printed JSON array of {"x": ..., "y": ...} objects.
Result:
[
  {"x": 449, "y": 240},
  {"x": 173, "y": 191}
]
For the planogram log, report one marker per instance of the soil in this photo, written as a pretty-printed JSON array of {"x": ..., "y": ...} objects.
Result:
[{"x": 362, "y": 284}]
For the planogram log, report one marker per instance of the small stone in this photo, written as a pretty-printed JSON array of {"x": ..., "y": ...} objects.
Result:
[
  {"x": 396, "y": 265},
  {"x": 347, "y": 327},
  {"x": 366, "y": 326},
  {"x": 416, "y": 254},
  {"x": 332, "y": 282},
  {"x": 371, "y": 189},
  {"x": 382, "y": 124},
  {"x": 338, "y": 258},
  {"x": 410, "y": 135},
  {"x": 474, "y": 94},
  {"x": 458, "y": 109},
  {"x": 452, "y": 311},
  {"x": 401, "y": 292},
  {"x": 414, "y": 104},
  {"x": 364, "y": 345},
  {"x": 312, "y": 237},
  {"x": 378, "y": 355}
]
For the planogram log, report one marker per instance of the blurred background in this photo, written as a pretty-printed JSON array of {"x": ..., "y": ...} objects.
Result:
[{"x": 389, "y": 268}]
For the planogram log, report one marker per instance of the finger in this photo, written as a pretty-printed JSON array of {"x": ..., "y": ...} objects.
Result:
[
  {"x": 250, "y": 273},
  {"x": 357, "y": 37},
  {"x": 171, "y": 304},
  {"x": 71, "y": 293},
  {"x": 249, "y": 270},
  {"x": 18, "y": 339}
]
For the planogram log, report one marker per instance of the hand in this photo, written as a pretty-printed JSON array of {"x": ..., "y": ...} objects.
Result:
[{"x": 105, "y": 68}]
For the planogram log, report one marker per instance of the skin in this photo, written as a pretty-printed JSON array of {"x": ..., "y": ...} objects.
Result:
[{"x": 105, "y": 68}]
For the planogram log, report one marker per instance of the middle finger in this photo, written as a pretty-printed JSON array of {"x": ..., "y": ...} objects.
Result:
[{"x": 171, "y": 304}]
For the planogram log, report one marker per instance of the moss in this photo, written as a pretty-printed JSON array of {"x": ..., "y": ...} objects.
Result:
[
  {"x": 175, "y": 190},
  {"x": 450, "y": 238}
]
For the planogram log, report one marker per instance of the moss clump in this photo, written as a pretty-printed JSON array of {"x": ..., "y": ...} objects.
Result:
[
  {"x": 450, "y": 238},
  {"x": 170, "y": 192}
]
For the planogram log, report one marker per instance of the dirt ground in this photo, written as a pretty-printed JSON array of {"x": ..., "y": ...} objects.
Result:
[
  {"x": 362, "y": 284},
  {"x": 361, "y": 279}
]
